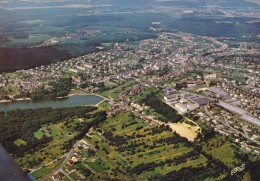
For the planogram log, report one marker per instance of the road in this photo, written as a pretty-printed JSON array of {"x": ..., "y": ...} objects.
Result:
[
  {"x": 67, "y": 156},
  {"x": 243, "y": 113},
  {"x": 244, "y": 130},
  {"x": 230, "y": 127},
  {"x": 65, "y": 174},
  {"x": 105, "y": 98},
  {"x": 47, "y": 164}
]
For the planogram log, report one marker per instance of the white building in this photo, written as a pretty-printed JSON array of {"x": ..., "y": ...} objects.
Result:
[
  {"x": 210, "y": 76},
  {"x": 170, "y": 98},
  {"x": 192, "y": 107},
  {"x": 183, "y": 101},
  {"x": 181, "y": 108}
]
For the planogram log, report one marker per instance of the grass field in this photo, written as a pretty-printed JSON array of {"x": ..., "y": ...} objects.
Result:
[
  {"x": 103, "y": 105},
  {"x": 38, "y": 134},
  {"x": 127, "y": 143},
  {"x": 20, "y": 142},
  {"x": 113, "y": 93},
  {"x": 11, "y": 89},
  {"x": 98, "y": 166},
  {"x": 54, "y": 149},
  {"x": 46, "y": 170},
  {"x": 127, "y": 148},
  {"x": 74, "y": 176},
  {"x": 224, "y": 151}
]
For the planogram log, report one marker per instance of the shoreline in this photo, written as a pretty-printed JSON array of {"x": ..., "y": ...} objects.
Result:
[
  {"x": 16, "y": 100},
  {"x": 29, "y": 99},
  {"x": 80, "y": 94}
]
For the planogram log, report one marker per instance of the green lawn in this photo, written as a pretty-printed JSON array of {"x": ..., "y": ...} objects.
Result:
[
  {"x": 98, "y": 166},
  {"x": 74, "y": 176},
  {"x": 49, "y": 152},
  {"x": 85, "y": 154},
  {"x": 103, "y": 105},
  {"x": 168, "y": 168},
  {"x": 38, "y": 134},
  {"x": 107, "y": 45},
  {"x": 123, "y": 125},
  {"x": 165, "y": 153},
  {"x": 113, "y": 93},
  {"x": 224, "y": 151},
  {"x": 57, "y": 130},
  {"x": 46, "y": 170},
  {"x": 19, "y": 142},
  {"x": 154, "y": 149}
]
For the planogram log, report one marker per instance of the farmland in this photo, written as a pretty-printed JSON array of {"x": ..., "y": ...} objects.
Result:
[
  {"x": 59, "y": 133},
  {"x": 128, "y": 148}
]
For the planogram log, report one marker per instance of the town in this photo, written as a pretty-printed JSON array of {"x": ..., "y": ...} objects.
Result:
[{"x": 199, "y": 77}]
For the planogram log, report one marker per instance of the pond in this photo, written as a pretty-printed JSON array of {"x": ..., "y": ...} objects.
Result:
[{"x": 71, "y": 101}]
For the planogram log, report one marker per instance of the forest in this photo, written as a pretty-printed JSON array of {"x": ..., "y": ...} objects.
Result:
[
  {"x": 21, "y": 124},
  {"x": 59, "y": 88},
  {"x": 12, "y": 59},
  {"x": 168, "y": 114},
  {"x": 22, "y": 30}
]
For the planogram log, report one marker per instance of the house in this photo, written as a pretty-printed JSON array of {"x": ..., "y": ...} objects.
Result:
[
  {"x": 210, "y": 76},
  {"x": 76, "y": 79},
  {"x": 73, "y": 70},
  {"x": 88, "y": 65},
  {"x": 71, "y": 162},
  {"x": 69, "y": 168},
  {"x": 57, "y": 176}
]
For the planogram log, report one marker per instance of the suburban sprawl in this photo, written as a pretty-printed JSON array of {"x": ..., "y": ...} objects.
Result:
[{"x": 175, "y": 104}]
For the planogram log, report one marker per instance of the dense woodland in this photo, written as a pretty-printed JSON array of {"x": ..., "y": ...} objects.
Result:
[
  {"x": 12, "y": 59},
  {"x": 96, "y": 118},
  {"x": 168, "y": 114},
  {"x": 21, "y": 124},
  {"x": 59, "y": 88}
]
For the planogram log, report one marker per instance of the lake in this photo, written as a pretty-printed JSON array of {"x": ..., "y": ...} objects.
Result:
[{"x": 71, "y": 101}]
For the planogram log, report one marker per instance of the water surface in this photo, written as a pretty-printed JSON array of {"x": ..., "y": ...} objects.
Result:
[{"x": 72, "y": 101}]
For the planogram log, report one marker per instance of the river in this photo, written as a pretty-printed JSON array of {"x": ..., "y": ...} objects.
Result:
[{"x": 71, "y": 101}]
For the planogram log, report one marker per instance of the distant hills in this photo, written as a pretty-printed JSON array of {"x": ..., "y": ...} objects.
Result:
[
  {"x": 12, "y": 59},
  {"x": 28, "y": 23}
]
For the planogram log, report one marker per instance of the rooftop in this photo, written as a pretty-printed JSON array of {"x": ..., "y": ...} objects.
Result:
[{"x": 202, "y": 101}]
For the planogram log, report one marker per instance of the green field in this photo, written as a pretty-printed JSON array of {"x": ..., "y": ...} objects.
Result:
[
  {"x": 46, "y": 170},
  {"x": 132, "y": 149},
  {"x": 98, "y": 166},
  {"x": 11, "y": 89},
  {"x": 38, "y": 134},
  {"x": 226, "y": 152},
  {"x": 103, "y": 105},
  {"x": 20, "y": 142},
  {"x": 114, "y": 92},
  {"x": 74, "y": 176},
  {"x": 60, "y": 134}
]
